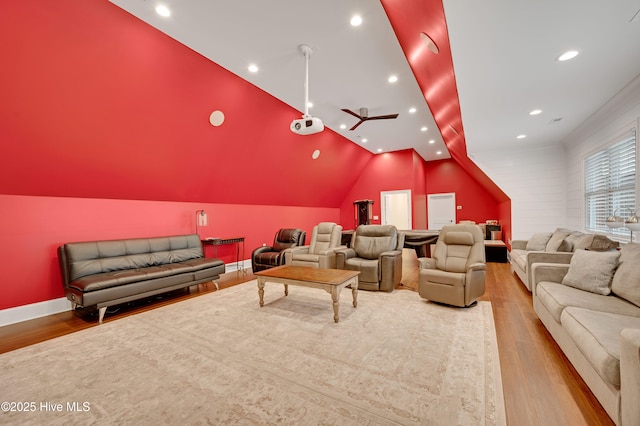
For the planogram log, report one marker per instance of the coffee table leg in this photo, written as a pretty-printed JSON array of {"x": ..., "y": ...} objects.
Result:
[
  {"x": 354, "y": 292},
  {"x": 261, "y": 290},
  {"x": 335, "y": 296}
]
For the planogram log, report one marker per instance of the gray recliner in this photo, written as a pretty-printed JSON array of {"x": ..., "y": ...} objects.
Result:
[
  {"x": 376, "y": 251},
  {"x": 455, "y": 274},
  {"x": 320, "y": 253}
]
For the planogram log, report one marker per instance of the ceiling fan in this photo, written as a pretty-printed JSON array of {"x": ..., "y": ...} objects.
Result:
[{"x": 364, "y": 116}]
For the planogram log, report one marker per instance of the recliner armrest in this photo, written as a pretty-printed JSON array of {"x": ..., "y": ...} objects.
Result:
[
  {"x": 391, "y": 253},
  {"x": 342, "y": 255},
  {"x": 478, "y": 267},
  {"x": 426, "y": 263},
  {"x": 288, "y": 253},
  {"x": 262, "y": 249}
]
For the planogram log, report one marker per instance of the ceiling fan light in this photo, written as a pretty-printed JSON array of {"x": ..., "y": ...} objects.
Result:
[{"x": 428, "y": 41}]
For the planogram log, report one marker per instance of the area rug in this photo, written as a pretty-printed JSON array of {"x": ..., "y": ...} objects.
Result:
[{"x": 221, "y": 359}]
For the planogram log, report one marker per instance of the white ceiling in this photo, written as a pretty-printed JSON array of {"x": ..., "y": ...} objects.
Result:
[{"x": 503, "y": 52}]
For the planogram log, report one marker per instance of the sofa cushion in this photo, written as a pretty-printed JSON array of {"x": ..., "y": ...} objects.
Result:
[
  {"x": 592, "y": 271},
  {"x": 538, "y": 242},
  {"x": 556, "y": 297},
  {"x": 597, "y": 336},
  {"x": 556, "y": 242},
  {"x": 626, "y": 281}
]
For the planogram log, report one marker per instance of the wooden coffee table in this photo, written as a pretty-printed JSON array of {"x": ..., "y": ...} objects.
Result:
[{"x": 330, "y": 280}]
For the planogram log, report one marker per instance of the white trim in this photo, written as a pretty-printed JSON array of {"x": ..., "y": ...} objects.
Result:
[
  {"x": 55, "y": 306},
  {"x": 34, "y": 310}
]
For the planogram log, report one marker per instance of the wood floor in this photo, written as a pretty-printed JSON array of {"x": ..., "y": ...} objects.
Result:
[{"x": 540, "y": 385}]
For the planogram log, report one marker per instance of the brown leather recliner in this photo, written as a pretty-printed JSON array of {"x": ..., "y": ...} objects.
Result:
[
  {"x": 320, "y": 253},
  {"x": 266, "y": 257},
  {"x": 455, "y": 275},
  {"x": 376, "y": 251}
]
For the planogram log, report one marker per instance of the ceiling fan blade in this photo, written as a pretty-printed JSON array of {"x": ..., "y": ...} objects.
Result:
[
  {"x": 352, "y": 113},
  {"x": 357, "y": 124},
  {"x": 383, "y": 117}
]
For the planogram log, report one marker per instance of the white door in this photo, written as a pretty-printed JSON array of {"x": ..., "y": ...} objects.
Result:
[
  {"x": 441, "y": 210},
  {"x": 396, "y": 208}
]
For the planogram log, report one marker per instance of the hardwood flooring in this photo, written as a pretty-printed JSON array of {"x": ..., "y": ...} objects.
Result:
[{"x": 540, "y": 385}]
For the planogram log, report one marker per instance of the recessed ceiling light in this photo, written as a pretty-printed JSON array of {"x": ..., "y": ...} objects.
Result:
[
  {"x": 568, "y": 55},
  {"x": 310, "y": 104},
  {"x": 438, "y": 152},
  {"x": 379, "y": 149},
  {"x": 412, "y": 110},
  {"x": 364, "y": 140},
  {"x": 431, "y": 142},
  {"x": 393, "y": 79},
  {"x": 430, "y": 43},
  {"x": 535, "y": 112},
  {"x": 253, "y": 68},
  {"x": 521, "y": 136},
  {"x": 343, "y": 126},
  {"x": 356, "y": 20},
  {"x": 163, "y": 10},
  {"x": 424, "y": 128}
]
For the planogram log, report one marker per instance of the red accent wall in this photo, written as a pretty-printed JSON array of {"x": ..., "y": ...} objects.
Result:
[
  {"x": 477, "y": 203},
  {"x": 33, "y": 227},
  {"x": 96, "y": 103},
  {"x": 105, "y": 134}
]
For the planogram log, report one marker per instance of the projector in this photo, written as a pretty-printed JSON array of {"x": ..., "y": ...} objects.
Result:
[{"x": 307, "y": 125}]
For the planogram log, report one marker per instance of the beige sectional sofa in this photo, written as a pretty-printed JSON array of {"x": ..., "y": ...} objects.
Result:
[
  {"x": 591, "y": 308},
  {"x": 552, "y": 247}
]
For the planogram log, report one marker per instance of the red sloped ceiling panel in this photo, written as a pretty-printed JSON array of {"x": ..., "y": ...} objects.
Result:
[{"x": 98, "y": 104}]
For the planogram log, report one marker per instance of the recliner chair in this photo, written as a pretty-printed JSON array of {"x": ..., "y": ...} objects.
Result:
[
  {"x": 320, "y": 253},
  {"x": 455, "y": 274},
  {"x": 376, "y": 251},
  {"x": 266, "y": 257}
]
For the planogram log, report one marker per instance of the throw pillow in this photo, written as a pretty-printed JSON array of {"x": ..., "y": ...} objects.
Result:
[
  {"x": 603, "y": 243},
  {"x": 556, "y": 240},
  {"x": 626, "y": 281},
  {"x": 592, "y": 271},
  {"x": 538, "y": 242}
]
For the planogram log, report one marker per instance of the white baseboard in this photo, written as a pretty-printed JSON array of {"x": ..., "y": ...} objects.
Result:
[
  {"x": 55, "y": 306},
  {"x": 34, "y": 310}
]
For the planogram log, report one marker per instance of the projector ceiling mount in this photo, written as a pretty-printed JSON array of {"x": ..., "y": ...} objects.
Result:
[{"x": 308, "y": 125}]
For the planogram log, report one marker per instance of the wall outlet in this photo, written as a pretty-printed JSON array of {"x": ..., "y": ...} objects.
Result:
[
  {"x": 375, "y": 218},
  {"x": 459, "y": 207}
]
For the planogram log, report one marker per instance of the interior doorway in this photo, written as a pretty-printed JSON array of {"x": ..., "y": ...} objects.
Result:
[
  {"x": 395, "y": 208},
  {"x": 441, "y": 210}
]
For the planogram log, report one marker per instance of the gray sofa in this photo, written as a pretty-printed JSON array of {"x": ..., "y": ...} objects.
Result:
[
  {"x": 552, "y": 247},
  {"x": 107, "y": 273},
  {"x": 597, "y": 326}
]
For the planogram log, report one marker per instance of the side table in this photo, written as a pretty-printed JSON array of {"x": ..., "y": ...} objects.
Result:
[{"x": 495, "y": 251}]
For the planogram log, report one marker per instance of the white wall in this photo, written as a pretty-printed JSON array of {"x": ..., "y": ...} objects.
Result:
[
  {"x": 534, "y": 179},
  {"x": 545, "y": 184},
  {"x": 617, "y": 115}
]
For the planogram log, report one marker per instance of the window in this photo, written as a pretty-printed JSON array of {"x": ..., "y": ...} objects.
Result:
[{"x": 610, "y": 185}]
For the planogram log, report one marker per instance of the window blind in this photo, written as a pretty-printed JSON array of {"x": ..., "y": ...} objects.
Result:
[{"x": 610, "y": 184}]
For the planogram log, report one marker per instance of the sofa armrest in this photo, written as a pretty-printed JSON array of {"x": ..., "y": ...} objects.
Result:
[
  {"x": 630, "y": 376},
  {"x": 545, "y": 257},
  {"x": 519, "y": 244},
  {"x": 553, "y": 272}
]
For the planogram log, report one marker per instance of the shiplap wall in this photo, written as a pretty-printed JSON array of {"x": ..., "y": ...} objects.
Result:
[
  {"x": 534, "y": 179},
  {"x": 545, "y": 184}
]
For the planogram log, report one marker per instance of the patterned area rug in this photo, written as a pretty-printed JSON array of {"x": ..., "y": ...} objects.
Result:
[{"x": 221, "y": 359}]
